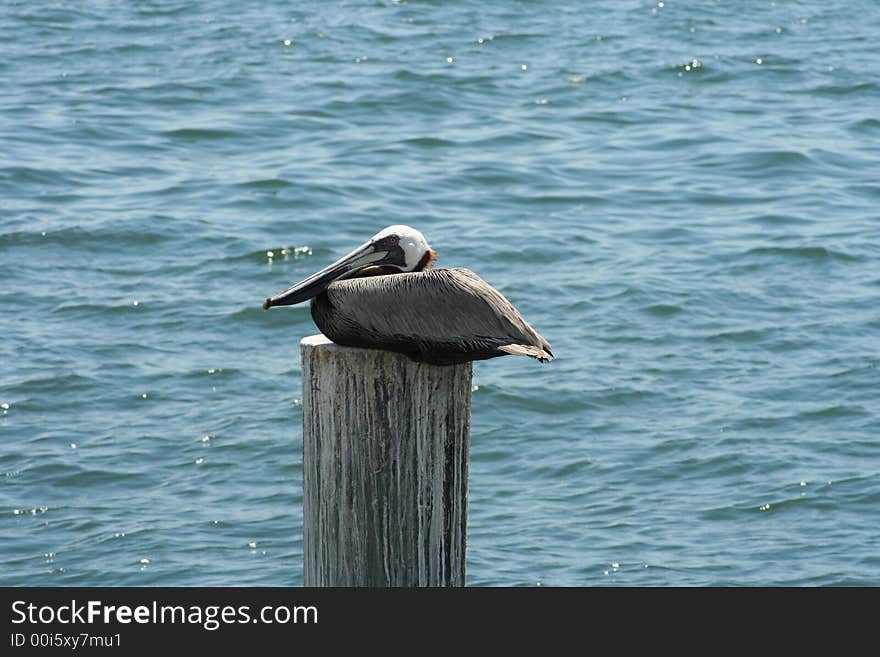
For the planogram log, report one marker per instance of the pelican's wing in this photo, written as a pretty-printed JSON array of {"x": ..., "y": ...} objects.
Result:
[{"x": 436, "y": 309}]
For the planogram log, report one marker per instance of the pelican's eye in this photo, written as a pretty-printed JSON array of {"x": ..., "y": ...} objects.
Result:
[{"x": 392, "y": 240}]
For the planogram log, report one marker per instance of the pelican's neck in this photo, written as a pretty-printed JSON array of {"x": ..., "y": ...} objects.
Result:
[{"x": 427, "y": 261}]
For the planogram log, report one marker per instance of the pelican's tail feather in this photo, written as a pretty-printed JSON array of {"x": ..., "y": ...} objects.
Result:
[{"x": 526, "y": 350}]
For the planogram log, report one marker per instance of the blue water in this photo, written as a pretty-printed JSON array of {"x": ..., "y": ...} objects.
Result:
[{"x": 682, "y": 197}]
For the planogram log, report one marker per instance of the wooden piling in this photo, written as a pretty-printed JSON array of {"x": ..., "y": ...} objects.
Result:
[{"x": 386, "y": 450}]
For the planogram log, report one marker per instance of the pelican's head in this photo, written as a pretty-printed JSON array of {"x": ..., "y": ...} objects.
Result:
[
  {"x": 410, "y": 241},
  {"x": 394, "y": 249}
]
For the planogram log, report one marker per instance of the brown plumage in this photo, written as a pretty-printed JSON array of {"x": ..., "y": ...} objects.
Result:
[
  {"x": 440, "y": 316},
  {"x": 384, "y": 295}
]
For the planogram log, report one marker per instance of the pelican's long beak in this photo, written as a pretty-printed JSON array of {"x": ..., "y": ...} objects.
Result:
[{"x": 374, "y": 252}]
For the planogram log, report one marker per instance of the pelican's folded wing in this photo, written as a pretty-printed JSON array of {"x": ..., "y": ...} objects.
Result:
[{"x": 439, "y": 315}]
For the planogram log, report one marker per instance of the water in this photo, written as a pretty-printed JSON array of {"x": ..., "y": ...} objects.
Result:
[{"x": 682, "y": 197}]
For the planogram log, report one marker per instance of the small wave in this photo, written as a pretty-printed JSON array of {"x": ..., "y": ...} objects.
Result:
[
  {"x": 681, "y": 143},
  {"x": 267, "y": 183},
  {"x": 18, "y": 175},
  {"x": 760, "y": 163},
  {"x": 73, "y": 477},
  {"x": 407, "y": 75},
  {"x": 618, "y": 119},
  {"x": 51, "y": 384},
  {"x": 623, "y": 293},
  {"x": 779, "y": 220},
  {"x": 212, "y": 373},
  {"x": 489, "y": 177},
  {"x": 255, "y": 312},
  {"x": 694, "y": 66},
  {"x": 858, "y": 369},
  {"x": 814, "y": 253},
  {"x": 171, "y": 9},
  {"x": 837, "y": 90},
  {"x": 578, "y": 200},
  {"x": 662, "y": 310},
  {"x": 201, "y": 134},
  {"x": 716, "y": 465},
  {"x": 865, "y": 127},
  {"x": 91, "y": 238},
  {"x": 66, "y": 18},
  {"x": 173, "y": 94},
  {"x": 671, "y": 234},
  {"x": 776, "y": 422},
  {"x": 830, "y": 412},
  {"x": 561, "y": 402},
  {"x": 871, "y": 191},
  {"x": 558, "y": 471},
  {"x": 624, "y": 396},
  {"x": 517, "y": 36},
  {"x": 428, "y": 142},
  {"x": 742, "y": 335},
  {"x": 100, "y": 309}
]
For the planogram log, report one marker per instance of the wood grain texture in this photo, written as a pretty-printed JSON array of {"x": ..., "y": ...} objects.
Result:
[{"x": 386, "y": 450}]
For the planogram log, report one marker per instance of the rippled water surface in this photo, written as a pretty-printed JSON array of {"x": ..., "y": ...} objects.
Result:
[{"x": 681, "y": 196}]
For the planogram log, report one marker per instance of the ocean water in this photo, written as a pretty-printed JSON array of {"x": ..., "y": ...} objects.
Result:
[{"x": 682, "y": 197}]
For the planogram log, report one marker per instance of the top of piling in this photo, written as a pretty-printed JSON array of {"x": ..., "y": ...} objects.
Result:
[{"x": 317, "y": 340}]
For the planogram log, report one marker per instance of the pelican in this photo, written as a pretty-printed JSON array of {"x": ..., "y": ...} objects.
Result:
[{"x": 386, "y": 295}]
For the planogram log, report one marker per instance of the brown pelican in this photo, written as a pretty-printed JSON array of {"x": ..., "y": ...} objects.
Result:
[{"x": 385, "y": 295}]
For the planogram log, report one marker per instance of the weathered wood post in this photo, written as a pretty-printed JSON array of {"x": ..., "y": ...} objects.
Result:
[{"x": 386, "y": 450}]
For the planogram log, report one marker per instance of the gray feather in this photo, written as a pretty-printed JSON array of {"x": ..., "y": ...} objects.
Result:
[{"x": 439, "y": 315}]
